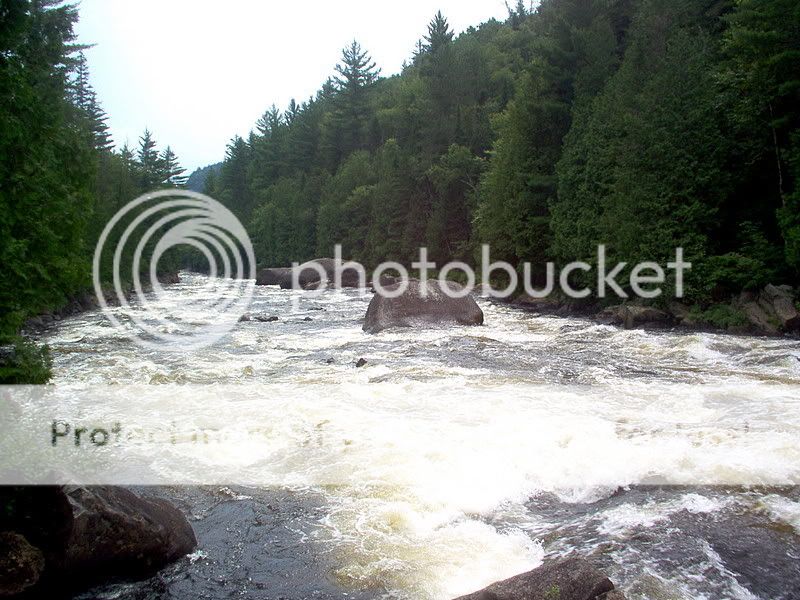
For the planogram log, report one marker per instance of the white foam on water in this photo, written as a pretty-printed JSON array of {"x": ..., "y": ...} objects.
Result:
[
  {"x": 621, "y": 520},
  {"x": 419, "y": 451},
  {"x": 783, "y": 509}
]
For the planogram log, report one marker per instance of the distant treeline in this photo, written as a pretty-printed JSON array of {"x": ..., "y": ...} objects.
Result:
[
  {"x": 60, "y": 178},
  {"x": 640, "y": 124}
]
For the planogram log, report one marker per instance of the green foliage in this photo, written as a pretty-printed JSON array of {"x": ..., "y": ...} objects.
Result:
[
  {"x": 643, "y": 170},
  {"x": 553, "y": 593},
  {"x": 45, "y": 166},
  {"x": 60, "y": 181},
  {"x": 23, "y": 362},
  {"x": 761, "y": 72},
  {"x": 721, "y": 316},
  {"x": 640, "y": 124},
  {"x": 573, "y": 52}
]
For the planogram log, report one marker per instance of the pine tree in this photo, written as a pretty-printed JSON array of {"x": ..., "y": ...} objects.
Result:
[
  {"x": 174, "y": 173},
  {"x": 291, "y": 112},
  {"x": 234, "y": 179},
  {"x": 81, "y": 88},
  {"x": 97, "y": 124},
  {"x": 357, "y": 70},
  {"x": 150, "y": 164},
  {"x": 439, "y": 33},
  {"x": 347, "y": 130}
]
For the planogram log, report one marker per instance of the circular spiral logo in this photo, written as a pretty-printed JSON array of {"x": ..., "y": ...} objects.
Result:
[{"x": 169, "y": 225}]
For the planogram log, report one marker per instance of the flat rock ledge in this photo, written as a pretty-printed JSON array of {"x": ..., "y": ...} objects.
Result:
[{"x": 569, "y": 578}]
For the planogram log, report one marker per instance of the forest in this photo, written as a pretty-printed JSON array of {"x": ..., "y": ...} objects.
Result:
[
  {"x": 639, "y": 124},
  {"x": 61, "y": 178}
]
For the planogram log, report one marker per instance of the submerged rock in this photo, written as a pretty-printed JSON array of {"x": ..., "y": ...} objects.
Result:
[
  {"x": 260, "y": 318},
  {"x": 566, "y": 579}
]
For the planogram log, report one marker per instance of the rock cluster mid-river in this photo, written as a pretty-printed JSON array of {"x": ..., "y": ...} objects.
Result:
[{"x": 462, "y": 455}]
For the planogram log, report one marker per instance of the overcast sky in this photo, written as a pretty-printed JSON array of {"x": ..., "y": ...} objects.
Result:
[{"x": 196, "y": 72}]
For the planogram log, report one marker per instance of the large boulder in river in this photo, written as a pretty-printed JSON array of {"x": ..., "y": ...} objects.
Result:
[
  {"x": 273, "y": 276},
  {"x": 412, "y": 309},
  {"x": 310, "y": 273},
  {"x": 307, "y": 274},
  {"x": 566, "y": 579}
]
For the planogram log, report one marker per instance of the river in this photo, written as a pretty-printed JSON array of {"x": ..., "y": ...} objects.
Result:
[{"x": 458, "y": 456}]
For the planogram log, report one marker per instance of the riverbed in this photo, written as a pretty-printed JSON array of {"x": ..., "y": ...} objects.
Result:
[{"x": 457, "y": 456}]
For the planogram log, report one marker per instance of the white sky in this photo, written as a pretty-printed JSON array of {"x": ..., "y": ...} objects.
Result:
[{"x": 197, "y": 72}]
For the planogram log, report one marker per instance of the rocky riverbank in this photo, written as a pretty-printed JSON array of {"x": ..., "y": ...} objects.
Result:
[
  {"x": 87, "y": 301},
  {"x": 772, "y": 311}
]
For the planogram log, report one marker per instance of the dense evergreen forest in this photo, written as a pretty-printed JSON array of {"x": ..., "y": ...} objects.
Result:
[
  {"x": 640, "y": 124},
  {"x": 60, "y": 178}
]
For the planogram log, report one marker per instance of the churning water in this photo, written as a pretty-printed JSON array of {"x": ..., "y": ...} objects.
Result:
[{"x": 459, "y": 456}]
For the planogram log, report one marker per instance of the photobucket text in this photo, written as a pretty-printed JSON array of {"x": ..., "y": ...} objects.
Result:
[{"x": 643, "y": 279}]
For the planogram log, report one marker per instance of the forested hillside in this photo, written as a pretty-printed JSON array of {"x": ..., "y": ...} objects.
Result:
[
  {"x": 60, "y": 178},
  {"x": 641, "y": 124},
  {"x": 197, "y": 179}
]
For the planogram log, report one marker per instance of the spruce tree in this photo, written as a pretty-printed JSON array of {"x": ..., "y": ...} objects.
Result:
[
  {"x": 439, "y": 33},
  {"x": 97, "y": 124},
  {"x": 347, "y": 129},
  {"x": 172, "y": 170},
  {"x": 150, "y": 164}
]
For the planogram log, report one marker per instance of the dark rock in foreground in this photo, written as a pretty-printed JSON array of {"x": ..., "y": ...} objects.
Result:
[
  {"x": 21, "y": 564},
  {"x": 412, "y": 309},
  {"x": 85, "y": 535},
  {"x": 257, "y": 544},
  {"x": 566, "y": 579},
  {"x": 115, "y": 532}
]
